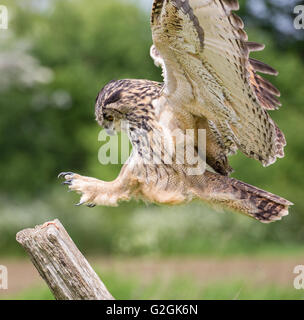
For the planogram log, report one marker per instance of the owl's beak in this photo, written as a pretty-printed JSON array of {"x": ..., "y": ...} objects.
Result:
[{"x": 110, "y": 128}]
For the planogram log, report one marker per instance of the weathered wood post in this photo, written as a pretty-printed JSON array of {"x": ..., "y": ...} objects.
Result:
[{"x": 60, "y": 263}]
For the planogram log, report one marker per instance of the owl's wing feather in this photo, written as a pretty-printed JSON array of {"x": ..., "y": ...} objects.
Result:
[{"x": 204, "y": 52}]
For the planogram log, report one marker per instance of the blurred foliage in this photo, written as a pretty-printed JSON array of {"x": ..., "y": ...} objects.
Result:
[
  {"x": 47, "y": 125},
  {"x": 186, "y": 288},
  {"x": 42, "y": 128},
  {"x": 275, "y": 18}
]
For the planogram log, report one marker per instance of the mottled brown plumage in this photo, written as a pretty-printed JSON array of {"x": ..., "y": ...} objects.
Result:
[{"x": 211, "y": 84}]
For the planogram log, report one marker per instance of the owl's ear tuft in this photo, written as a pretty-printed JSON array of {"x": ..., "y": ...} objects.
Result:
[
  {"x": 102, "y": 90},
  {"x": 113, "y": 98}
]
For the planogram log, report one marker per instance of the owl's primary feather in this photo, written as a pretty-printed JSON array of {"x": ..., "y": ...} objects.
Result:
[
  {"x": 204, "y": 52},
  {"x": 210, "y": 83}
]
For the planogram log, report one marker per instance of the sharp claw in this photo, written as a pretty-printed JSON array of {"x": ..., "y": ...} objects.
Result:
[
  {"x": 68, "y": 182},
  {"x": 91, "y": 205},
  {"x": 80, "y": 203},
  {"x": 64, "y": 174}
]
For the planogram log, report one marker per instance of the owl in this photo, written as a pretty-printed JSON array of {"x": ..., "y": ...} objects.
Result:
[{"x": 211, "y": 86}]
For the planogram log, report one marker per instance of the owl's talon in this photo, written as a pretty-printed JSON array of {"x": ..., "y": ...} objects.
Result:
[
  {"x": 81, "y": 185},
  {"x": 80, "y": 203},
  {"x": 68, "y": 182},
  {"x": 64, "y": 174}
]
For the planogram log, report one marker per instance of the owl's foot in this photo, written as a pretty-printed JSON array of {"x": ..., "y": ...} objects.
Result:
[
  {"x": 87, "y": 187},
  {"x": 96, "y": 192}
]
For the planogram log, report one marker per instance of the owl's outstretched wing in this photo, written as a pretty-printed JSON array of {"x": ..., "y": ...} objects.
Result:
[{"x": 204, "y": 52}]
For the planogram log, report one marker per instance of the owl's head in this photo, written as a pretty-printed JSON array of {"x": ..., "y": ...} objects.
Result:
[
  {"x": 110, "y": 108},
  {"x": 121, "y": 103}
]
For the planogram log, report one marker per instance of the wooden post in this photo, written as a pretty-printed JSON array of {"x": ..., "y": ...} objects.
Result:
[{"x": 60, "y": 263}]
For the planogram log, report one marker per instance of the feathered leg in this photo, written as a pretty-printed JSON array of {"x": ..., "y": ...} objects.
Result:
[
  {"x": 239, "y": 196},
  {"x": 96, "y": 192}
]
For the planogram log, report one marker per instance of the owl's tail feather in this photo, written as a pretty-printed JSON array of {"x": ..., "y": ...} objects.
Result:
[{"x": 244, "y": 198}]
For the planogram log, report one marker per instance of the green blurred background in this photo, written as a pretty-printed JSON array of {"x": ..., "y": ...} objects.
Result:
[{"x": 54, "y": 58}]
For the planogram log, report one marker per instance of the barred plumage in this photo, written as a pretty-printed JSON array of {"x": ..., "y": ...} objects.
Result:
[{"x": 210, "y": 83}]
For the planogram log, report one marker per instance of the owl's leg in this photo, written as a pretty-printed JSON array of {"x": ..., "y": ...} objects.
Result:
[
  {"x": 241, "y": 197},
  {"x": 96, "y": 192}
]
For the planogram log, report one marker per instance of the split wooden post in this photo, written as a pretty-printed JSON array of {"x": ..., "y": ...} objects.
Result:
[{"x": 59, "y": 262}]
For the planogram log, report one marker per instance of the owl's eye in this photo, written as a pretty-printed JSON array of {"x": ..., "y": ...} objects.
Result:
[{"x": 109, "y": 118}]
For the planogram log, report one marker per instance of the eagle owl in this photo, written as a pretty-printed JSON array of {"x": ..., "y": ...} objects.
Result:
[{"x": 211, "y": 84}]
